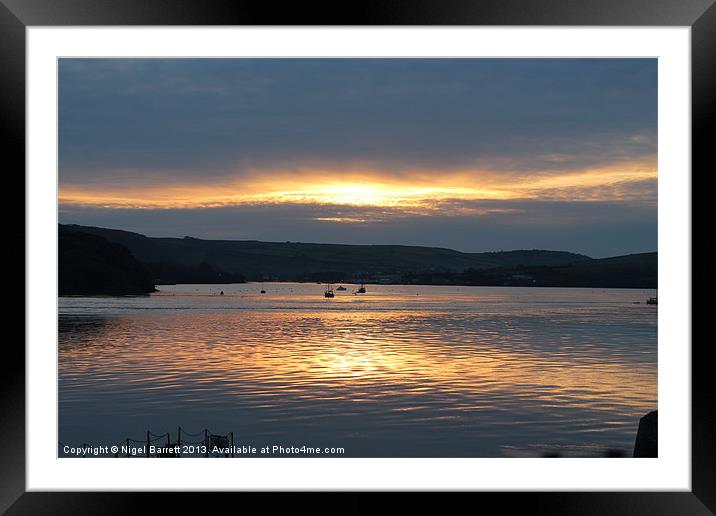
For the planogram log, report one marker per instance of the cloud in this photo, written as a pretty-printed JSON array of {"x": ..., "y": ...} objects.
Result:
[{"x": 223, "y": 118}]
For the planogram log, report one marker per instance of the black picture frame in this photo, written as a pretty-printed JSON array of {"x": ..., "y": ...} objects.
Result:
[{"x": 700, "y": 15}]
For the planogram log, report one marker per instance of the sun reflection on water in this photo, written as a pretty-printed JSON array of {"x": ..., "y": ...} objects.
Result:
[{"x": 389, "y": 373}]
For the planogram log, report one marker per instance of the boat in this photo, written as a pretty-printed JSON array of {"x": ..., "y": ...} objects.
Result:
[
  {"x": 361, "y": 290},
  {"x": 329, "y": 291},
  {"x": 653, "y": 300},
  {"x": 341, "y": 287}
]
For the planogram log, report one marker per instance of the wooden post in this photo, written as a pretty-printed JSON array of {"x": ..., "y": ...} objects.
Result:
[{"x": 147, "y": 443}]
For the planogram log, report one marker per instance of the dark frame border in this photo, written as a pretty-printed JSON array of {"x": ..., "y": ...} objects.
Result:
[{"x": 700, "y": 15}]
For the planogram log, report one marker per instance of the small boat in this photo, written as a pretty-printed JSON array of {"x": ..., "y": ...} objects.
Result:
[
  {"x": 263, "y": 291},
  {"x": 361, "y": 290},
  {"x": 329, "y": 291},
  {"x": 341, "y": 287},
  {"x": 221, "y": 293},
  {"x": 652, "y": 300}
]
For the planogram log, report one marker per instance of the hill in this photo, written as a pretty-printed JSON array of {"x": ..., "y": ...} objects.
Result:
[
  {"x": 91, "y": 265},
  {"x": 629, "y": 271},
  {"x": 290, "y": 261}
]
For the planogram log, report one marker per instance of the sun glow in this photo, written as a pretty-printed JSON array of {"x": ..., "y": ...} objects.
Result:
[
  {"x": 375, "y": 194},
  {"x": 419, "y": 192}
]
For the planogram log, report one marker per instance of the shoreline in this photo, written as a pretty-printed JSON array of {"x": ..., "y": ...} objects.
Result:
[{"x": 158, "y": 290}]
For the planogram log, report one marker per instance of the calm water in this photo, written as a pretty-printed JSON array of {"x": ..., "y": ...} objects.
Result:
[{"x": 400, "y": 371}]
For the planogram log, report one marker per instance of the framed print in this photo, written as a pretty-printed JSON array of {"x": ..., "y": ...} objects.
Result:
[{"x": 419, "y": 250}]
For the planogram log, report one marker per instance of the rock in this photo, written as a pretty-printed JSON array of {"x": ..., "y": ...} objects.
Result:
[{"x": 647, "y": 442}]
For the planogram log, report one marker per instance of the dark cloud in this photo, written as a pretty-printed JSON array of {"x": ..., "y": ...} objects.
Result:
[{"x": 218, "y": 117}]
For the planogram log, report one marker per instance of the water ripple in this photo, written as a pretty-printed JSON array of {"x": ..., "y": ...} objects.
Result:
[{"x": 451, "y": 371}]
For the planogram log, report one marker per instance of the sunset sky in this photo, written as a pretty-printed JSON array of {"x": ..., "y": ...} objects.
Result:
[{"x": 469, "y": 154}]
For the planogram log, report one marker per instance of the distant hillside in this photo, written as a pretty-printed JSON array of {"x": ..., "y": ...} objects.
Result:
[
  {"x": 630, "y": 271},
  {"x": 315, "y": 262},
  {"x": 91, "y": 265}
]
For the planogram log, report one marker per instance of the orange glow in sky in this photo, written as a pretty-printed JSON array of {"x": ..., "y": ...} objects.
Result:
[{"x": 415, "y": 192}]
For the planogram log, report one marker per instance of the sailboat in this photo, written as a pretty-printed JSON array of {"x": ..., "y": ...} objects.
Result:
[
  {"x": 329, "y": 291},
  {"x": 361, "y": 290}
]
